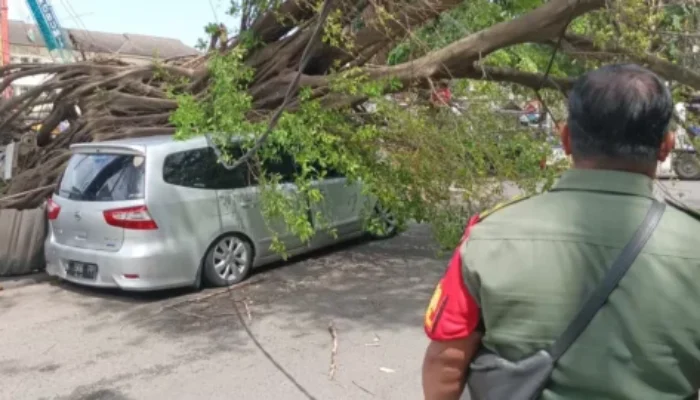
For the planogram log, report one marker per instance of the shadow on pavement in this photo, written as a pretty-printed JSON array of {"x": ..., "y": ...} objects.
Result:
[
  {"x": 120, "y": 297},
  {"x": 362, "y": 286},
  {"x": 382, "y": 284}
]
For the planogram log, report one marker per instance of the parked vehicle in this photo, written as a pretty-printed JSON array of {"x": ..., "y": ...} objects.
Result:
[
  {"x": 683, "y": 162},
  {"x": 684, "y": 158},
  {"x": 155, "y": 213}
]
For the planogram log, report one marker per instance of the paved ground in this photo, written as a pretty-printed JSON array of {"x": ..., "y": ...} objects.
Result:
[
  {"x": 688, "y": 192},
  {"x": 269, "y": 339},
  {"x": 60, "y": 341}
]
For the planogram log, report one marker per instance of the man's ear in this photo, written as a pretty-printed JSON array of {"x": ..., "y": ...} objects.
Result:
[
  {"x": 565, "y": 135},
  {"x": 667, "y": 145}
]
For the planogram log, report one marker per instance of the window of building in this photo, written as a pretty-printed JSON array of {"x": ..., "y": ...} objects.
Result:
[{"x": 20, "y": 89}]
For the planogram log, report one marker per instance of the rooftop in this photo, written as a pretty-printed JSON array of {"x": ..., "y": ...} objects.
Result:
[{"x": 128, "y": 44}]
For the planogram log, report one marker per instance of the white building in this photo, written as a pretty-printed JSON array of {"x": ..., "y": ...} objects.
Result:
[{"x": 27, "y": 46}]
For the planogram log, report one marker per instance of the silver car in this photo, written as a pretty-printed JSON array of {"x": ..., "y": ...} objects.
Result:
[{"x": 156, "y": 213}]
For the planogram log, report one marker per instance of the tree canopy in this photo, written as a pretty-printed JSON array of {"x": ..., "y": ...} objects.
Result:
[{"x": 359, "y": 92}]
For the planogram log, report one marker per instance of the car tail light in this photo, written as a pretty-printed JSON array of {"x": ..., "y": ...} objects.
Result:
[
  {"x": 131, "y": 218},
  {"x": 52, "y": 209}
]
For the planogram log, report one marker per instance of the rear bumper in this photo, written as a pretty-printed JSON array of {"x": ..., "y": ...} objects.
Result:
[{"x": 153, "y": 265}]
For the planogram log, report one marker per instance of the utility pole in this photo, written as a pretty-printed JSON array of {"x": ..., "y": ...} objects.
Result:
[{"x": 5, "y": 40}]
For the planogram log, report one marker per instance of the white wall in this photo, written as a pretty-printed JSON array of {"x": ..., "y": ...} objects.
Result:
[{"x": 6, "y": 164}]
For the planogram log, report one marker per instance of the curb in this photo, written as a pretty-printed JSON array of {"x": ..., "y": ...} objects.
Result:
[{"x": 25, "y": 280}]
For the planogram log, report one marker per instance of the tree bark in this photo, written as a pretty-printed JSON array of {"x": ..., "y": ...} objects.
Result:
[
  {"x": 457, "y": 59},
  {"x": 582, "y": 46}
]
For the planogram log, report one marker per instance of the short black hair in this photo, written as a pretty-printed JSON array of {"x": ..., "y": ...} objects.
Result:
[{"x": 619, "y": 111}]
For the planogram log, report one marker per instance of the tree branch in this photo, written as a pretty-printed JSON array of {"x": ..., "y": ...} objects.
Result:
[
  {"x": 581, "y": 46},
  {"x": 270, "y": 27},
  {"x": 387, "y": 24},
  {"x": 527, "y": 79},
  {"x": 457, "y": 59}
]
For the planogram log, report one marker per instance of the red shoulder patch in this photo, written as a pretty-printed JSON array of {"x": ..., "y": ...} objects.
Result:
[{"x": 452, "y": 312}]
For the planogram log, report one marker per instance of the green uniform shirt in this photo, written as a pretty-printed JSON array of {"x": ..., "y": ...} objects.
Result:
[{"x": 532, "y": 264}]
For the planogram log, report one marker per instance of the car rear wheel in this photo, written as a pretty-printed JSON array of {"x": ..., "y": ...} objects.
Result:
[
  {"x": 687, "y": 166},
  {"x": 229, "y": 261}
]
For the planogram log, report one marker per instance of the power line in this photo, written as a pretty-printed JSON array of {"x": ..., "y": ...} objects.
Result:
[
  {"x": 76, "y": 17},
  {"x": 213, "y": 11}
]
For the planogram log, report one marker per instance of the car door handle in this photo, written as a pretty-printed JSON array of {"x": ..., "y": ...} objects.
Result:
[{"x": 246, "y": 201}]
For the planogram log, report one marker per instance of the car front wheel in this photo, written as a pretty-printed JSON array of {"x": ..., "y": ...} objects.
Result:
[{"x": 387, "y": 223}]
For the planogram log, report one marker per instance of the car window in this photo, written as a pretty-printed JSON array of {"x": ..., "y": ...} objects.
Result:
[
  {"x": 103, "y": 177},
  {"x": 200, "y": 168},
  {"x": 284, "y": 166},
  {"x": 330, "y": 172},
  {"x": 241, "y": 176}
]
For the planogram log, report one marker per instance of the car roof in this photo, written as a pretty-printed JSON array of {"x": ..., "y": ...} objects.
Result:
[
  {"x": 139, "y": 145},
  {"x": 141, "y": 142}
]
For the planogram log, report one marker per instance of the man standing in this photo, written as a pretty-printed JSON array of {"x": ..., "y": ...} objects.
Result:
[{"x": 524, "y": 270}]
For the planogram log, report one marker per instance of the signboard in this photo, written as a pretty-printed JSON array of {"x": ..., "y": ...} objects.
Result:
[{"x": 48, "y": 24}]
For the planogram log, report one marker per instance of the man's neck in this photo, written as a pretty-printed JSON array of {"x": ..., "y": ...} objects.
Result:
[{"x": 612, "y": 165}]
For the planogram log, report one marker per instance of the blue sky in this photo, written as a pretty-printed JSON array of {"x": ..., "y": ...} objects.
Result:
[{"x": 179, "y": 19}]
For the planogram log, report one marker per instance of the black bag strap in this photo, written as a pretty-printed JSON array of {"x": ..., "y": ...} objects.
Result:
[{"x": 618, "y": 269}]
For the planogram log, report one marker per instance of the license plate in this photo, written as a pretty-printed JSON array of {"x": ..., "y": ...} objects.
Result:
[{"x": 81, "y": 270}]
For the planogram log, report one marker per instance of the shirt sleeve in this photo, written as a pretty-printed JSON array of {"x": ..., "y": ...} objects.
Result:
[{"x": 452, "y": 313}]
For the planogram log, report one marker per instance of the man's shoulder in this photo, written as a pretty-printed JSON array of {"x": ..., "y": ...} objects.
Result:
[
  {"x": 500, "y": 206},
  {"x": 511, "y": 209},
  {"x": 507, "y": 218},
  {"x": 684, "y": 211},
  {"x": 679, "y": 226}
]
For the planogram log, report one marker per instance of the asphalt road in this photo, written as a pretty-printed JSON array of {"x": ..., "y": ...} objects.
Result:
[
  {"x": 60, "y": 341},
  {"x": 687, "y": 192},
  {"x": 267, "y": 340}
]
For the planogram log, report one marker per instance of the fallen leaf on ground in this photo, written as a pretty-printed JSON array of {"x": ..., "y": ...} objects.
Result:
[{"x": 375, "y": 342}]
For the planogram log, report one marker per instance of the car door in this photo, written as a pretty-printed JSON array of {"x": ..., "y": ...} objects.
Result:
[
  {"x": 185, "y": 199},
  {"x": 240, "y": 205},
  {"x": 342, "y": 206}
]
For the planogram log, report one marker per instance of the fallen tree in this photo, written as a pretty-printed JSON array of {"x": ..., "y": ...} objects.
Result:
[{"x": 108, "y": 99}]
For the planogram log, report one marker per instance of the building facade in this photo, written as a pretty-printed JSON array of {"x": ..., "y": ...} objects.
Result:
[{"x": 27, "y": 47}]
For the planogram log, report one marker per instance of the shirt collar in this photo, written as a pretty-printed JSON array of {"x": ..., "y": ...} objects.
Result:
[{"x": 606, "y": 181}]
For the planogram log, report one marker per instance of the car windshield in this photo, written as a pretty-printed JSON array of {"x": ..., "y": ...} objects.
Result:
[{"x": 103, "y": 177}]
